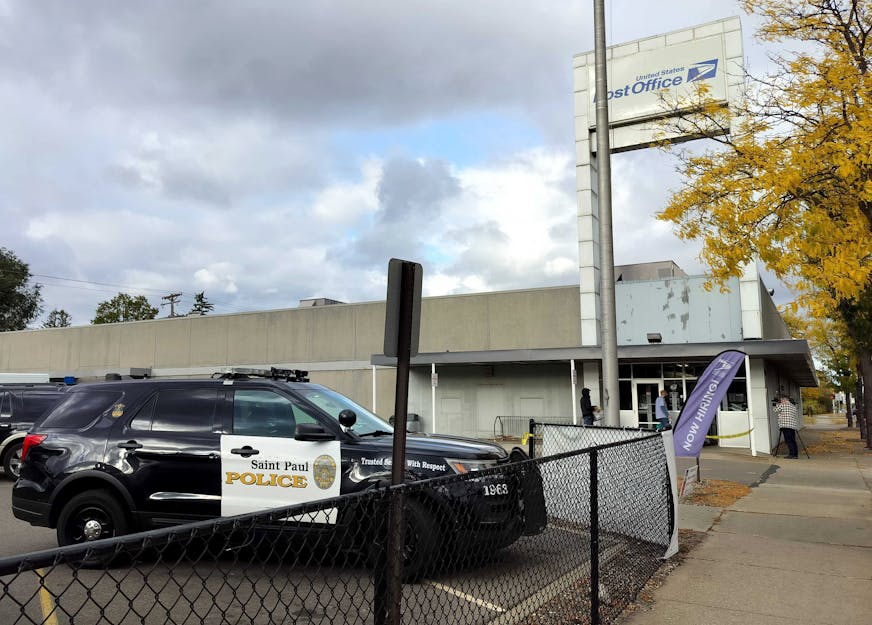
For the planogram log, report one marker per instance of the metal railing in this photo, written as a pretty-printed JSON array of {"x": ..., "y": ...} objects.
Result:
[
  {"x": 515, "y": 427},
  {"x": 571, "y": 538}
]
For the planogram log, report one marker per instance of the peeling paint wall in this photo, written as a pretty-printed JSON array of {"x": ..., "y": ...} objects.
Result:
[{"x": 680, "y": 309}]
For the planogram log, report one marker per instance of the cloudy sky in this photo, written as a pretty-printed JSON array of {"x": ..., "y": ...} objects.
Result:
[{"x": 266, "y": 152}]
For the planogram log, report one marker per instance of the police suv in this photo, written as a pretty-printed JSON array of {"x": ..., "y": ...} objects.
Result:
[
  {"x": 119, "y": 457},
  {"x": 20, "y": 406}
]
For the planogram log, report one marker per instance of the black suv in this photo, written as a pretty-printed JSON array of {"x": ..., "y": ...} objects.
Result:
[
  {"x": 21, "y": 405},
  {"x": 120, "y": 457}
]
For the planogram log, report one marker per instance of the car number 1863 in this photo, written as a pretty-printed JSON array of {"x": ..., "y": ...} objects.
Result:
[{"x": 496, "y": 489}]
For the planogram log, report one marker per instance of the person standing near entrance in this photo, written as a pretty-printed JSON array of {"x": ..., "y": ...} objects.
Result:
[
  {"x": 586, "y": 407},
  {"x": 788, "y": 421},
  {"x": 661, "y": 411}
]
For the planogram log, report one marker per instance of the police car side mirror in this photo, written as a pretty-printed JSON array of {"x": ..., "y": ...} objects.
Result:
[
  {"x": 347, "y": 418},
  {"x": 312, "y": 432}
]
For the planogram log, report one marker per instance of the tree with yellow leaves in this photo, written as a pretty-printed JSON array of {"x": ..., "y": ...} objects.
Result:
[{"x": 791, "y": 184}]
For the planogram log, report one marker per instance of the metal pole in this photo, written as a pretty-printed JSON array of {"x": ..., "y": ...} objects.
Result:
[
  {"x": 531, "y": 441},
  {"x": 573, "y": 375},
  {"x": 611, "y": 405},
  {"x": 594, "y": 539},
  {"x": 396, "y": 521},
  {"x": 374, "y": 411},
  {"x": 750, "y": 412},
  {"x": 433, "y": 393}
]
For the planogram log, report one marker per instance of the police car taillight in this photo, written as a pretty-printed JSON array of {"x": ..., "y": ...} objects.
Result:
[{"x": 31, "y": 440}]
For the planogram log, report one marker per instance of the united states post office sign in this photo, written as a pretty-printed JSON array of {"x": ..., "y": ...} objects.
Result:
[{"x": 639, "y": 85}]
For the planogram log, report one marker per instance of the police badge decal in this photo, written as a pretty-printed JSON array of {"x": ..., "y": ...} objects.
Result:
[{"x": 324, "y": 471}]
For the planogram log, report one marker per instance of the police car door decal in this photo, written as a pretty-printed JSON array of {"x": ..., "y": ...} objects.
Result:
[{"x": 282, "y": 472}]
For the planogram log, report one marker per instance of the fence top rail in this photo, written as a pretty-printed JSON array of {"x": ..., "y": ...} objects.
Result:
[
  {"x": 599, "y": 447},
  {"x": 599, "y": 427}
]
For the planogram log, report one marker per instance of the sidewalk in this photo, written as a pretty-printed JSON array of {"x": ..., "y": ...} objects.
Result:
[{"x": 797, "y": 550}]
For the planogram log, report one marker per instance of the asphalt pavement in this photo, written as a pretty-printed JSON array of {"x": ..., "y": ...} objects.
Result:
[{"x": 797, "y": 550}]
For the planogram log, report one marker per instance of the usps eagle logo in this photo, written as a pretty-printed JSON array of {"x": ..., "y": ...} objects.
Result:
[{"x": 702, "y": 71}]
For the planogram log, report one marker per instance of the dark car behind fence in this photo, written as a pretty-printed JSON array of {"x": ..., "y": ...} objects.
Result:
[{"x": 603, "y": 537}]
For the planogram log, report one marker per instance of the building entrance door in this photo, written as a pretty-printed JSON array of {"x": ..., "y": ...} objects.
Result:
[{"x": 644, "y": 397}]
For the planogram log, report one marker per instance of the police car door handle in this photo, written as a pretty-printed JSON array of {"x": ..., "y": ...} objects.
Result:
[
  {"x": 245, "y": 452},
  {"x": 130, "y": 445}
]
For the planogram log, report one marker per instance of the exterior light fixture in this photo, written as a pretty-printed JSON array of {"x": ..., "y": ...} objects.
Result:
[{"x": 654, "y": 337}]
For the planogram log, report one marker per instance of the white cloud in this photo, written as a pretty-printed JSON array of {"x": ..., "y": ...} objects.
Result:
[{"x": 219, "y": 276}]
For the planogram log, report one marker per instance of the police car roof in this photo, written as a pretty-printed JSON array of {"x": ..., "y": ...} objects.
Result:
[{"x": 181, "y": 382}]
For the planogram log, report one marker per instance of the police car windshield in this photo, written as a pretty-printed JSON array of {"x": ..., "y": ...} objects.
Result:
[{"x": 333, "y": 403}]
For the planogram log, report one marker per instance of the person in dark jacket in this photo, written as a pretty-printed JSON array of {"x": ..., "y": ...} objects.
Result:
[{"x": 586, "y": 407}]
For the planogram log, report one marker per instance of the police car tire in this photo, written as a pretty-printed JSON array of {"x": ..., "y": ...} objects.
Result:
[
  {"x": 99, "y": 505},
  {"x": 10, "y": 455},
  {"x": 421, "y": 541}
]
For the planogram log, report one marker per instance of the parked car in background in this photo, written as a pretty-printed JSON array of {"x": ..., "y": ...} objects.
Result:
[
  {"x": 21, "y": 405},
  {"x": 121, "y": 457}
]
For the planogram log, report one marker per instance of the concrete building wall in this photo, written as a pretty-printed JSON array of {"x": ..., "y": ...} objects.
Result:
[
  {"x": 773, "y": 325},
  {"x": 680, "y": 309},
  {"x": 335, "y": 343},
  {"x": 545, "y": 317},
  {"x": 469, "y": 398}
]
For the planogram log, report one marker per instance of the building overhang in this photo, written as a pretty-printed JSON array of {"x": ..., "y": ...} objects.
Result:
[{"x": 789, "y": 355}]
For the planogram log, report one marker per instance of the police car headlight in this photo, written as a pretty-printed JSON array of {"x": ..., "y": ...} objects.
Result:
[{"x": 468, "y": 466}]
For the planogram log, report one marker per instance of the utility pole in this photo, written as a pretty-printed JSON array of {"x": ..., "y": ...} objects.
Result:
[
  {"x": 604, "y": 193},
  {"x": 171, "y": 299}
]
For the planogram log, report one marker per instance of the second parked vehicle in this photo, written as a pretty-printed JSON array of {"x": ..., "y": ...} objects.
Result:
[{"x": 21, "y": 405}]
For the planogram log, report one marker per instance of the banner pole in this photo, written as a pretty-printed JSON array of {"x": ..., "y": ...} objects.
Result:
[{"x": 750, "y": 411}]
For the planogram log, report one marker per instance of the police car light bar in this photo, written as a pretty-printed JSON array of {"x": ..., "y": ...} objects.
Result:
[{"x": 273, "y": 373}]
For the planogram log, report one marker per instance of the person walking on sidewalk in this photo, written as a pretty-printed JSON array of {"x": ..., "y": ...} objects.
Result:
[
  {"x": 661, "y": 411},
  {"x": 586, "y": 407},
  {"x": 788, "y": 421}
]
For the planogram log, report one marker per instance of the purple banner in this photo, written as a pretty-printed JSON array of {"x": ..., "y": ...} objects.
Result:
[{"x": 699, "y": 410}]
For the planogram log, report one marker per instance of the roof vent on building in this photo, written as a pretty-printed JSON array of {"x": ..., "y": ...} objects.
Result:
[{"x": 318, "y": 301}]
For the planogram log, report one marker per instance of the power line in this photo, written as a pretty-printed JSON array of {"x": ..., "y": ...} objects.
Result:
[
  {"x": 222, "y": 304},
  {"x": 121, "y": 286}
]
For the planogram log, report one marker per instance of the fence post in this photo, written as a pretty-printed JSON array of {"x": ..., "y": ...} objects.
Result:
[
  {"x": 594, "y": 539},
  {"x": 380, "y": 568},
  {"x": 531, "y": 442}
]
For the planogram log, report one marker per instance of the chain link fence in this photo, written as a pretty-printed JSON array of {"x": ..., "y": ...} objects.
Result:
[{"x": 567, "y": 538}]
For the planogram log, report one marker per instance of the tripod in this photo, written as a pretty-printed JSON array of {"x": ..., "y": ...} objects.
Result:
[{"x": 798, "y": 437}]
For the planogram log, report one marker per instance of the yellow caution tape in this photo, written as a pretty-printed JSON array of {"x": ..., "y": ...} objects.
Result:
[
  {"x": 732, "y": 435},
  {"x": 526, "y": 438}
]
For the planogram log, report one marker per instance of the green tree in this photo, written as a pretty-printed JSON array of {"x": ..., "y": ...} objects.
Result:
[
  {"x": 792, "y": 182},
  {"x": 202, "y": 306},
  {"x": 20, "y": 301},
  {"x": 831, "y": 347},
  {"x": 58, "y": 319},
  {"x": 124, "y": 307}
]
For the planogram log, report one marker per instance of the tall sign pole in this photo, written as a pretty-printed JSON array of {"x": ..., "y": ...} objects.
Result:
[
  {"x": 402, "y": 329},
  {"x": 611, "y": 401}
]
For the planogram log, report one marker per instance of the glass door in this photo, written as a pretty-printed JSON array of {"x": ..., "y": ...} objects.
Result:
[{"x": 645, "y": 396}]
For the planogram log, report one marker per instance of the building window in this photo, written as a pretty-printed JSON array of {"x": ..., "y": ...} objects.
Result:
[
  {"x": 736, "y": 397},
  {"x": 647, "y": 371},
  {"x": 625, "y": 391}
]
